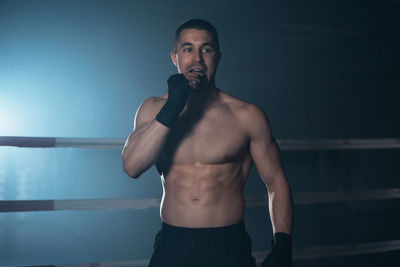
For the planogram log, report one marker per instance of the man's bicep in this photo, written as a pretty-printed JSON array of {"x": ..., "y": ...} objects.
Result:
[
  {"x": 264, "y": 150},
  {"x": 269, "y": 164}
]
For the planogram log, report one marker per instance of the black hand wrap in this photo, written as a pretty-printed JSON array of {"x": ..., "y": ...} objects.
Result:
[
  {"x": 178, "y": 90},
  {"x": 281, "y": 254}
]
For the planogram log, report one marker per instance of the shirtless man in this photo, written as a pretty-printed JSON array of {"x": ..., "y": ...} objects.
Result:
[{"x": 204, "y": 142}]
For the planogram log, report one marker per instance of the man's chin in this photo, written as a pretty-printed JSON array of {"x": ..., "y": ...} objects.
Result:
[{"x": 199, "y": 85}]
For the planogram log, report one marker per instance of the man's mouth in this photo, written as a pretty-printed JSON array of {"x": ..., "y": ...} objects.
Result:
[{"x": 197, "y": 69}]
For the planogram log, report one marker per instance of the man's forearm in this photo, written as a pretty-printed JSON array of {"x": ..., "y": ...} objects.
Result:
[
  {"x": 143, "y": 148},
  {"x": 281, "y": 208}
]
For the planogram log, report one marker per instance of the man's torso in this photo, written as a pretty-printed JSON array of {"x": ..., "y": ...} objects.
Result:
[{"x": 205, "y": 164}]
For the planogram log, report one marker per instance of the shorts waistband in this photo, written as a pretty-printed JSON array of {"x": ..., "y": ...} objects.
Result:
[{"x": 234, "y": 228}]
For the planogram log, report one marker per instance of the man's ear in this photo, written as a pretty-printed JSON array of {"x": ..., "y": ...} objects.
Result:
[{"x": 174, "y": 59}]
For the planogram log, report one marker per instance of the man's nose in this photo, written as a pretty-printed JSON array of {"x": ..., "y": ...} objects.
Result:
[{"x": 198, "y": 57}]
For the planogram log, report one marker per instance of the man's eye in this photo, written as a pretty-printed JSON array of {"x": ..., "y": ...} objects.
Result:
[
  {"x": 206, "y": 50},
  {"x": 187, "y": 49}
]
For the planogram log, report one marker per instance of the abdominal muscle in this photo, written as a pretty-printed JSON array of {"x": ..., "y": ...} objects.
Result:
[{"x": 203, "y": 195}]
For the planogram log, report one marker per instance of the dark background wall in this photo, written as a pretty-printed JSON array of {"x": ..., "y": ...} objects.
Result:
[{"x": 319, "y": 69}]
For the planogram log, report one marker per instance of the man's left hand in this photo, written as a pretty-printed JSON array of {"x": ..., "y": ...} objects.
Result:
[{"x": 281, "y": 254}]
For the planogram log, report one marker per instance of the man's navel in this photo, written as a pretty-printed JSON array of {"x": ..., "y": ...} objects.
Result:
[{"x": 195, "y": 199}]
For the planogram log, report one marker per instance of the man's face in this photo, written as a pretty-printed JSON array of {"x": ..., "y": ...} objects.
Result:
[{"x": 196, "y": 57}]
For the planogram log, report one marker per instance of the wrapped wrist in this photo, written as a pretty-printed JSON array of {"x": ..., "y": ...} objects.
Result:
[{"x": 282, "y": 240}]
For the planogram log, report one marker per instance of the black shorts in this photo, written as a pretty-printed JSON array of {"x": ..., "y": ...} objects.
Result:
[{"x": 228, "y": 246}]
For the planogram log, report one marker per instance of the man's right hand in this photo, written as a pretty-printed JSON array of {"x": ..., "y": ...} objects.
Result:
[{"x": 178, "y": 90}]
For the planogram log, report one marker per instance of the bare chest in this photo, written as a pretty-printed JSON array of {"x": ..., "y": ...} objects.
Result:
[{"x": 210, "y": 138}]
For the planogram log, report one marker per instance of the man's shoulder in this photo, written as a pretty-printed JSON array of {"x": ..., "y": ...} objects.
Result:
[
  {"x": 241, "y": 108},
  {"x": 149, "y": 108},
  {"x": 249, "y": 117},
  {"x": 154, "y": 100},
  {"x": 153, "y": 103}
]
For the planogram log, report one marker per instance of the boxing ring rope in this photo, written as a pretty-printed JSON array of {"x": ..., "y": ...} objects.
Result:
[
  {"x": 251, "y": 201},
  {"x": 298, "y": 254},
  {"x": 116, "y": 143},
  {"x": 137, "y": 204}
]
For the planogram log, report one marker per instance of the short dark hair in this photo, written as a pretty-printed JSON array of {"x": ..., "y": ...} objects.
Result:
[{"x": 198, "y": 24}]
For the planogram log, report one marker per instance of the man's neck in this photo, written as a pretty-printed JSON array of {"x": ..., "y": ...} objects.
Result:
[{"x": 203, "y": 96}]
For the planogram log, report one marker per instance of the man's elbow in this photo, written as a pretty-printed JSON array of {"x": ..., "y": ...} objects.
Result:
[
  {"x": 131, "y": 171},
  {"x": 129, "y": 166}
]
